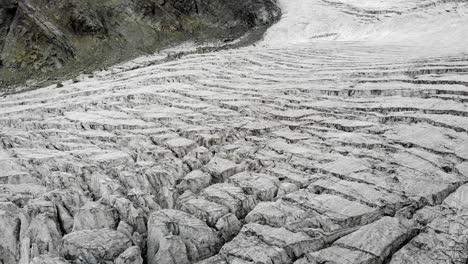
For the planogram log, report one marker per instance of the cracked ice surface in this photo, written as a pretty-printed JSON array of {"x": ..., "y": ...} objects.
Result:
[
  {"x": 349, "y": 149},
  {"x": 415, "y": 22}
]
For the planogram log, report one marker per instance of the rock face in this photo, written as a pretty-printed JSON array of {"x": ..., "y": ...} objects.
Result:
[
  {"x": 42, "y": 36},
  {"x": 335, "y": 152}
]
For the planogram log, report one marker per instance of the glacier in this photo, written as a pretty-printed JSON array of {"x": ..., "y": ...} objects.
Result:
[{"x": 340, "y": 137}]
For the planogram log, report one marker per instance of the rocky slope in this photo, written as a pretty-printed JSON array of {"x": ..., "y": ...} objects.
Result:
[
  {"x": 317, "y": 152},
  {"x": 41, "y": 37}
]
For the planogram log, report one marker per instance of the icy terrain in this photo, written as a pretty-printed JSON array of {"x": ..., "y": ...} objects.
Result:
[
  {"x": 342, "y": 138},
  {"x": 442, "y": 23}
]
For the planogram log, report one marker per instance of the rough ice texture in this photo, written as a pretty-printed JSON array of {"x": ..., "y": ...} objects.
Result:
[{"x": 320, "y": 152}]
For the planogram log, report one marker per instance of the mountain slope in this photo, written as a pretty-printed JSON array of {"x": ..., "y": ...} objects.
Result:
[{"x": 40, "y": 36}]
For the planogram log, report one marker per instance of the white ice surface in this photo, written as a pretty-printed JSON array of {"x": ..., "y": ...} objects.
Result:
[{"x": 414, "y": 22}]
